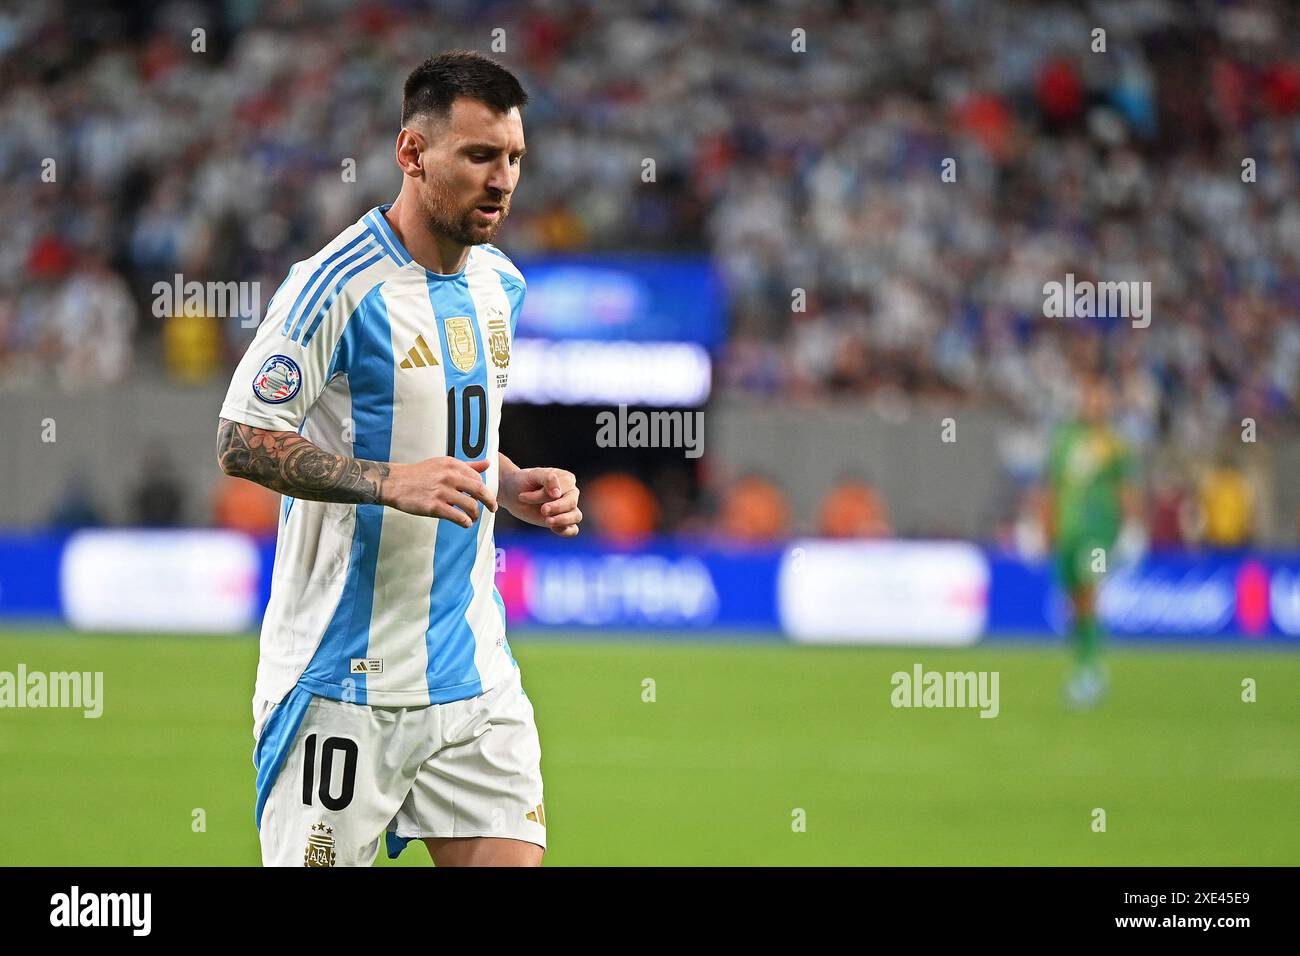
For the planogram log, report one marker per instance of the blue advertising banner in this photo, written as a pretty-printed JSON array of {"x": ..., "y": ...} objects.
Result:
[
  {"x": 877, "y": 592},
  {"x": 668, "y": 584},
  {"x": 1172, "y": 596},
  {"x": 624, "y": 298},
  {"x": 29, "y": 575}
]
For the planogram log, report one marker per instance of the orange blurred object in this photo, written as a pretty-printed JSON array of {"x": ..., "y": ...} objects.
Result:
[
  {"x": 853, "y": 509},
  {"x": 242, "y": 505},
  {"x": 755, "y": 510},
  {"x": 987, "y": 118},
  {"x": 621, "y": 506}
]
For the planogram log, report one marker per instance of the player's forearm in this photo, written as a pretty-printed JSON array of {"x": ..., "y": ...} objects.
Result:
[
  {"x": 507, "y": 470},
  {"x": 506, "y": 467},
  {"x": 290, "y": 464}
]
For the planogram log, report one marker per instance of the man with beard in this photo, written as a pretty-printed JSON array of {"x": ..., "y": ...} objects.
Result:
[{"x": 388, "y": 702}]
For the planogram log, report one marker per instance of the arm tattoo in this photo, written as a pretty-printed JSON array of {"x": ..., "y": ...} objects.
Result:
[{"x": 290, "y": 464}]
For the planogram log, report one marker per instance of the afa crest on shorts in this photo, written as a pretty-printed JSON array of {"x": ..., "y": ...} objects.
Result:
[
  {"x": 320, "y": 846},
  {"x": 278, "y": 381}
]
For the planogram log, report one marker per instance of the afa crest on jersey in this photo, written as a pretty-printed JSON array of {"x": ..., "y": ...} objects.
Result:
[
  {"x": 460, "y": 342},
  {"x": 278, "y": 381},
  {"x": 499, "y": 342}
]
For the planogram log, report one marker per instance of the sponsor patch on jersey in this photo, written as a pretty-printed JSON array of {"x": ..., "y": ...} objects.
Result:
[
  {"x": 278, "y": 381},
  {"x": 366, "y": 665}
]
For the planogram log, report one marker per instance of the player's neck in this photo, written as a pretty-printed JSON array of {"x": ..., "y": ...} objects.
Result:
[{"x": 436, "y": 253}]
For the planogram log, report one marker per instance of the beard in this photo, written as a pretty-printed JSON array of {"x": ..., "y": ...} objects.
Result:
[{"x": 445, "y": 217}]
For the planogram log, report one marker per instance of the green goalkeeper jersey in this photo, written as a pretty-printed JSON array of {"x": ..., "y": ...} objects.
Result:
[{"x": 1089, "y": 465}]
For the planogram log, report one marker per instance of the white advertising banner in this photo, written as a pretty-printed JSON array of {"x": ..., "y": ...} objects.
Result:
[
  {"x": 131, "y": 580},
  {"x": 883, "y": 592}
]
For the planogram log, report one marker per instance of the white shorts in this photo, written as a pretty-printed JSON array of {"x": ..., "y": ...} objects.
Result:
[{"x": 353, "y": 774}]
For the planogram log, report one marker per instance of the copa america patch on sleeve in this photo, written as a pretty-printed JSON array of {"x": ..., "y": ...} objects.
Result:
[{"x": 278, "y": 381}]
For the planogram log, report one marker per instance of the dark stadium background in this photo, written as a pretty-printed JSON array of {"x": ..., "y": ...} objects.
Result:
[{"x": 863, "y": 302}]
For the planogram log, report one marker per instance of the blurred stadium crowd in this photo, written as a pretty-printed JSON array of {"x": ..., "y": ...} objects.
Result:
[{"x": 815, "y": 171}]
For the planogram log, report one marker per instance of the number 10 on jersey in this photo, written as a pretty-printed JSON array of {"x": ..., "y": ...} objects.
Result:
[{"x": 471, "y": 434}]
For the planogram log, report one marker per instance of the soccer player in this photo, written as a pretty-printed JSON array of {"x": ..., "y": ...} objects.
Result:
[
  {"x": 1093, "y": 522},
  {"x": 388, "y": 702}
]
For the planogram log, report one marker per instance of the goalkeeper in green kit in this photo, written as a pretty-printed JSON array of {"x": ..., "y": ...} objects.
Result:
[{"x": 1093, "y": 524}]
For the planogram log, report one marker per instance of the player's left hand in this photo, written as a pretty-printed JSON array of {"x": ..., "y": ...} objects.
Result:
[{"x": 546, "y": 497}]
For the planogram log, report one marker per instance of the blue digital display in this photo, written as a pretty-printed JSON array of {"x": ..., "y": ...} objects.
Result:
[{"x": 624, "y": 298}]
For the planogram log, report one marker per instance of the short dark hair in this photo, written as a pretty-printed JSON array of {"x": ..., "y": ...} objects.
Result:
[{"x": 438, "y": 81}]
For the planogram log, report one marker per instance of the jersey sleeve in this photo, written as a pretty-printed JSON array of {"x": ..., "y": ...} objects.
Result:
[{"x": 289, "y": 361}]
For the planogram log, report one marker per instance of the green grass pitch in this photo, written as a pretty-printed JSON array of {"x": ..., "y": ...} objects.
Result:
[{"x": 739, "y": 738}]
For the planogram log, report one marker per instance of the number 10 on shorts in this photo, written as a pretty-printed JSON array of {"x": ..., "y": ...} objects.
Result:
[{"x": 328, "y": 749}]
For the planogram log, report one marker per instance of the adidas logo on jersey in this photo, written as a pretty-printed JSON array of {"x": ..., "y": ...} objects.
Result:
[
  {"x": 420, "y": 355},
  {"x": 366, "y": 665}
]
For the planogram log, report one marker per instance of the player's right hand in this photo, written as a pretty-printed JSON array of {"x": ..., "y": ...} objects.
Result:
[{"x": 442, "y": 487}]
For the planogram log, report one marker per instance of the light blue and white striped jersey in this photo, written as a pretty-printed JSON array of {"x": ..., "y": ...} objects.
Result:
[{"x": 366, "y": 353}]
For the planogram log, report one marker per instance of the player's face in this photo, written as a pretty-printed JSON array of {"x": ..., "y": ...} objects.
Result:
[{"x": 471, "y": 168}]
